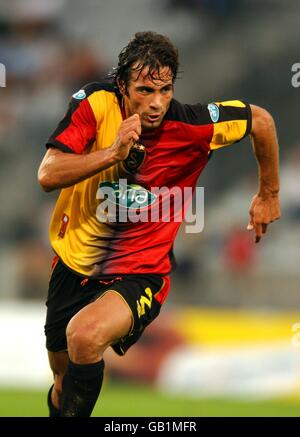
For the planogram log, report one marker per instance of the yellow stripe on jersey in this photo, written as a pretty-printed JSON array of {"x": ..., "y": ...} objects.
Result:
[
  {"x": 84, "y": 241},
  {"x": 232, "y": 125},
  {"x": 228, "y": 132},
  {"x": 102, "y": 103},
  {"x": 235, "y": 103}
]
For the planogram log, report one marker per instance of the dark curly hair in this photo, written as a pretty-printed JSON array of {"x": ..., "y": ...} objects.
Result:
[{"x": 146, "y": 49}]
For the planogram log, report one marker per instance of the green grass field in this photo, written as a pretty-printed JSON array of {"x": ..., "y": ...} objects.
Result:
[{"x": 133, "y": 400}]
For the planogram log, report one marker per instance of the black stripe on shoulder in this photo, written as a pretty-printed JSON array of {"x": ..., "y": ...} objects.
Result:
[
  {"x": 74, "y": 102},
  {"x": 89, "y": 89},
  {"x": 191, "y": 114},
  {"x": 52, "y": 143},
  {"x": 199, "y": 114},
  {"x": 92, "y": 87},
  {"x": 229, "y": 113}
]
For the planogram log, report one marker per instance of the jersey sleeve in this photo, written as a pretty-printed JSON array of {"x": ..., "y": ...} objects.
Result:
[
  {"x": 232, "y": 121},
  {"x": 77, "y": 130}
]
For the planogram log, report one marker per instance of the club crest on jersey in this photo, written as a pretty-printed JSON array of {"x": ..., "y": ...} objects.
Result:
[
  {"x": 80, "y": 95},
  {"x": 131, "y": 196},
  {"x": 214, "y": 112},
  {"x": 135, "y": 158}
]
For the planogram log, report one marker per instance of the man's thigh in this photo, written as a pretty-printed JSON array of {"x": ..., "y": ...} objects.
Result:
[
  {"x": 69, "y": 293},
  {"x": 144, "y": 295}
]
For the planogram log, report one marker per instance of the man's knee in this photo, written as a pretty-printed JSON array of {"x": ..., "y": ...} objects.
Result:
[
  {"x": 97, "y": 326},
  {"x": 87, "y": 338}
]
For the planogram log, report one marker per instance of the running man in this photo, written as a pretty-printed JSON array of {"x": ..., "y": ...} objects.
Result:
[{"x": 110, "y": 278}]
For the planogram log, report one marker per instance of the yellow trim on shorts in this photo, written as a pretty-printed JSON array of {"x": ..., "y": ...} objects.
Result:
[
  {"x": 121, "y": 349},
  {"x": 115, "y": 291},
  {"x": 163, "y": 284}
]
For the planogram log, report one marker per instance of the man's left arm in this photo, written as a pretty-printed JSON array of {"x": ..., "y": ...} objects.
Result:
[{"x": 265, "y": 205}]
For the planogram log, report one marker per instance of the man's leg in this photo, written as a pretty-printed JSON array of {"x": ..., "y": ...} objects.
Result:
[
  {"x": 59, "y": 363},
  {"x": 92, "y": 330}
]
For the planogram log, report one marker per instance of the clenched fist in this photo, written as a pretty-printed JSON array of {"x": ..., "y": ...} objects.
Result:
[{"x": 128, "y": 134}]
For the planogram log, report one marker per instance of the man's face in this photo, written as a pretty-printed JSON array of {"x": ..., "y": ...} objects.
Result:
[{"x": 149, "y": 97}]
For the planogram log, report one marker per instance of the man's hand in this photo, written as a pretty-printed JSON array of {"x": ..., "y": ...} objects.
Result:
[
  {"x": 60, "y": 170},
  {"x": 265, "y": 207},
  {"x": 128, "y": 134},
  {"x": 263, "y": 211}
]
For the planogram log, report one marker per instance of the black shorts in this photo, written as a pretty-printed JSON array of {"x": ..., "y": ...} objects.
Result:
[{"x": 68, "y": 293}]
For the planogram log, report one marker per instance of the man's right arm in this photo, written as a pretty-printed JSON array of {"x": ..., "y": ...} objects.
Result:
[{"x": 60, "y": 170}]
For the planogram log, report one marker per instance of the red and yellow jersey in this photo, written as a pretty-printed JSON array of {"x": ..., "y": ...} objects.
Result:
[{"x": 170, "y": 156}]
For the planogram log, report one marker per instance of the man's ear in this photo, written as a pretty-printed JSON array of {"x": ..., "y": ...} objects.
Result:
[{"x": 122, "y": 87}]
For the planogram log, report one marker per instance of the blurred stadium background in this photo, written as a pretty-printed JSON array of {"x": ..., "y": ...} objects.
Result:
[{"x": 226, "y": 342}]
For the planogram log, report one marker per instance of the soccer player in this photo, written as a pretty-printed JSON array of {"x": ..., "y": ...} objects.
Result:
[{"x": 111, "y": 276}]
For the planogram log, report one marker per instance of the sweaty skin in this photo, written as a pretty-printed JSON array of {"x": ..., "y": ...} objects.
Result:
[{"x": 150, "y": 98}]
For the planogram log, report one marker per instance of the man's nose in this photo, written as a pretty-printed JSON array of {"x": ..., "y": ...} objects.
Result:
[{"x": 156, "y": 102}]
